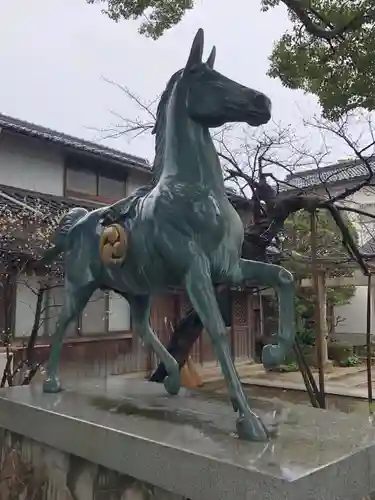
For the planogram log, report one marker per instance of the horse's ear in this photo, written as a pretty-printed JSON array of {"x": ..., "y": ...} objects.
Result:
[
  {"x": 211, "y": 58},
  {"x": 196, "y": 51}
]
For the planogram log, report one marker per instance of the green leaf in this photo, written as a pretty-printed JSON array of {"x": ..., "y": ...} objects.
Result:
[
  {"x": 341, "y": 72},
  {"x": 160, "y": 15}
]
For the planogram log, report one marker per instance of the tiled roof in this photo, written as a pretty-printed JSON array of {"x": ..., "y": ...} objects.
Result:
[
  {"x": 43, "y": 133},
  {"x": 12, "y": 198},
  {"x": 331, "y": 174},
  {"x": 368, "y": 247},
  {"x": 27, "y": 219}
]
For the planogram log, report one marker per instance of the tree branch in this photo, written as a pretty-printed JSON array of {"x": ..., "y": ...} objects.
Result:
[{"x": 329, "y": 32}]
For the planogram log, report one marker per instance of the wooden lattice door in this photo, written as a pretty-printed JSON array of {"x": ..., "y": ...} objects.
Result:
[{"x": 241, "y": 331}]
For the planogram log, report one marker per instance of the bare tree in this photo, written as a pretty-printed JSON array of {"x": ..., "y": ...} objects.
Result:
[
  {"x": 27, "y": 367},
  {"x": 25, "y": 233},
  {"x": 125, "y": 126}
]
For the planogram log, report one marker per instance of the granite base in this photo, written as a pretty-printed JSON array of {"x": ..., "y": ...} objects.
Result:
[{"x": 177, "y": 447}]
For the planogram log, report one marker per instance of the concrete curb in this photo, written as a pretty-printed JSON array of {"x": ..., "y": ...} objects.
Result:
[{"x": 292, "y": 386}]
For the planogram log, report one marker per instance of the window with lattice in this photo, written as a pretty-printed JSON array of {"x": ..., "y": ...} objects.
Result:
[{"x": 240, "y": 309}]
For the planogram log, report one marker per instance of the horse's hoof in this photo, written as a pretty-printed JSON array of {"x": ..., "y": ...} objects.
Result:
[
  {"x": 172, "y": 384},
  {"x": 52, "y": 385},
  {"x": 251, "y": 428},
  {"x": 272, "y": 356}
]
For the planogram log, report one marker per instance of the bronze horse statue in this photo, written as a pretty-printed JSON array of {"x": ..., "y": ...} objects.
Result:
[{"x": 181, "y": 232}]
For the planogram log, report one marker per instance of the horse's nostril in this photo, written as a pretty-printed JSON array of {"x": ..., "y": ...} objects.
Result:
[{"x": 262, "y": 101}]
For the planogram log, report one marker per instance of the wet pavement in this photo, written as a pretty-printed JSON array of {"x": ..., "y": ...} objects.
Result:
[
  {"x": 345, "y": 404},
  {"x": 346, "y": 388}
]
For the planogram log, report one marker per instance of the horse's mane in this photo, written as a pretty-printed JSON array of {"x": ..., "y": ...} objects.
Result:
[{"x": 159, "y": 128}]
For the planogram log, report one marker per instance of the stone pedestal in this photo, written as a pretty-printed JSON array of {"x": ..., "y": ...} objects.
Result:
[{"x": 124, "y": 439}]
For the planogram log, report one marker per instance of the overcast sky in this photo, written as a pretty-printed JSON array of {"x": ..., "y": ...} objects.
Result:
[{"x": 54, "y": 52}]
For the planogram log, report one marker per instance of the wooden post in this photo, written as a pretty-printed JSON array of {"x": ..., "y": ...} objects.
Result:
[
  {"x": 232, "y": 298},
  {"x": 250, "y": 324},
  {"x": 322, "y": 302},
  {"x": 320, "y": 311},
  {"x": 368, "y": 340},
  {"x": 261, "y": 314}
]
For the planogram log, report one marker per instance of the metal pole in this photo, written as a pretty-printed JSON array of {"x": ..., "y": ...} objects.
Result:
[
  {"x": 261, "y": 314},
  {"x": 307, "y": 376},
  {"x": 319, "y": 305},
  {"x": 368, "y": 340}
]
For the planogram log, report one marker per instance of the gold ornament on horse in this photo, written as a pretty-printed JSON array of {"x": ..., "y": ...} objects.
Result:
[{"x": 113, "y": 244}]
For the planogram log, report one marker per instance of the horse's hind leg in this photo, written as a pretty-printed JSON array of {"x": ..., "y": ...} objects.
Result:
[
  {"x": 75, "y": 300},
  {"x": 140, "y": 306},
  {"x": 202, "y": 296}
]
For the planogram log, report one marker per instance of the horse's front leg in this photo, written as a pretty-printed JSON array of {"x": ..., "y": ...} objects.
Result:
[
  {"x": 279, "y": 278},
  {"x": 140, "y": 312},
  {"x": 202, "y": 296}
]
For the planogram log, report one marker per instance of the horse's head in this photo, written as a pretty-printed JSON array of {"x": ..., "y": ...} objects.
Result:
[{"x": 213, "y": 99}]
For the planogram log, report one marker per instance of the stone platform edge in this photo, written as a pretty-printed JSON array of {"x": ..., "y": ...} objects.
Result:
[
  {"x": 101, "y": 439},
  {"x": 175, "y": 470}
]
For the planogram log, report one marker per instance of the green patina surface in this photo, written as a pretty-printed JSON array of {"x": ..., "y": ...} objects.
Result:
[{"x": 182, "y": 231}]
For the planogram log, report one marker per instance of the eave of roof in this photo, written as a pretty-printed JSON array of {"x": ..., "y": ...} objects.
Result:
[
  {"x": 49, "y": 204},
  {"x": 368, "y": 247},
  {"x": 331, "y": 174},
  {"x": 45, "y": 204},
  {"x": 74, "y": 143},
  {"x": 49, "y": 208}
]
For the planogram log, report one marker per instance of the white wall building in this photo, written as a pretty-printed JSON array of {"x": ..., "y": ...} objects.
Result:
[{"x": 47, "y": 169}]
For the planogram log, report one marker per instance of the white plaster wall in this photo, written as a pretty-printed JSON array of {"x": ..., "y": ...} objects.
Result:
[
  {"x": 3, "y": 362},
  {"x": 352, "y": 328},
  {"x": 118, "y": 313},
  {"x": 28, "y": 163}
]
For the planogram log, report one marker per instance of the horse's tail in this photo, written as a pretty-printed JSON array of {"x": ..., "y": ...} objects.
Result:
[{"x": 58, "y": 240}]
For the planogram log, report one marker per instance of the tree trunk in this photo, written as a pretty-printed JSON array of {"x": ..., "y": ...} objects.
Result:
[
  {"x": 36, "y": 325},
  {"x": 188, "y": 331}
]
